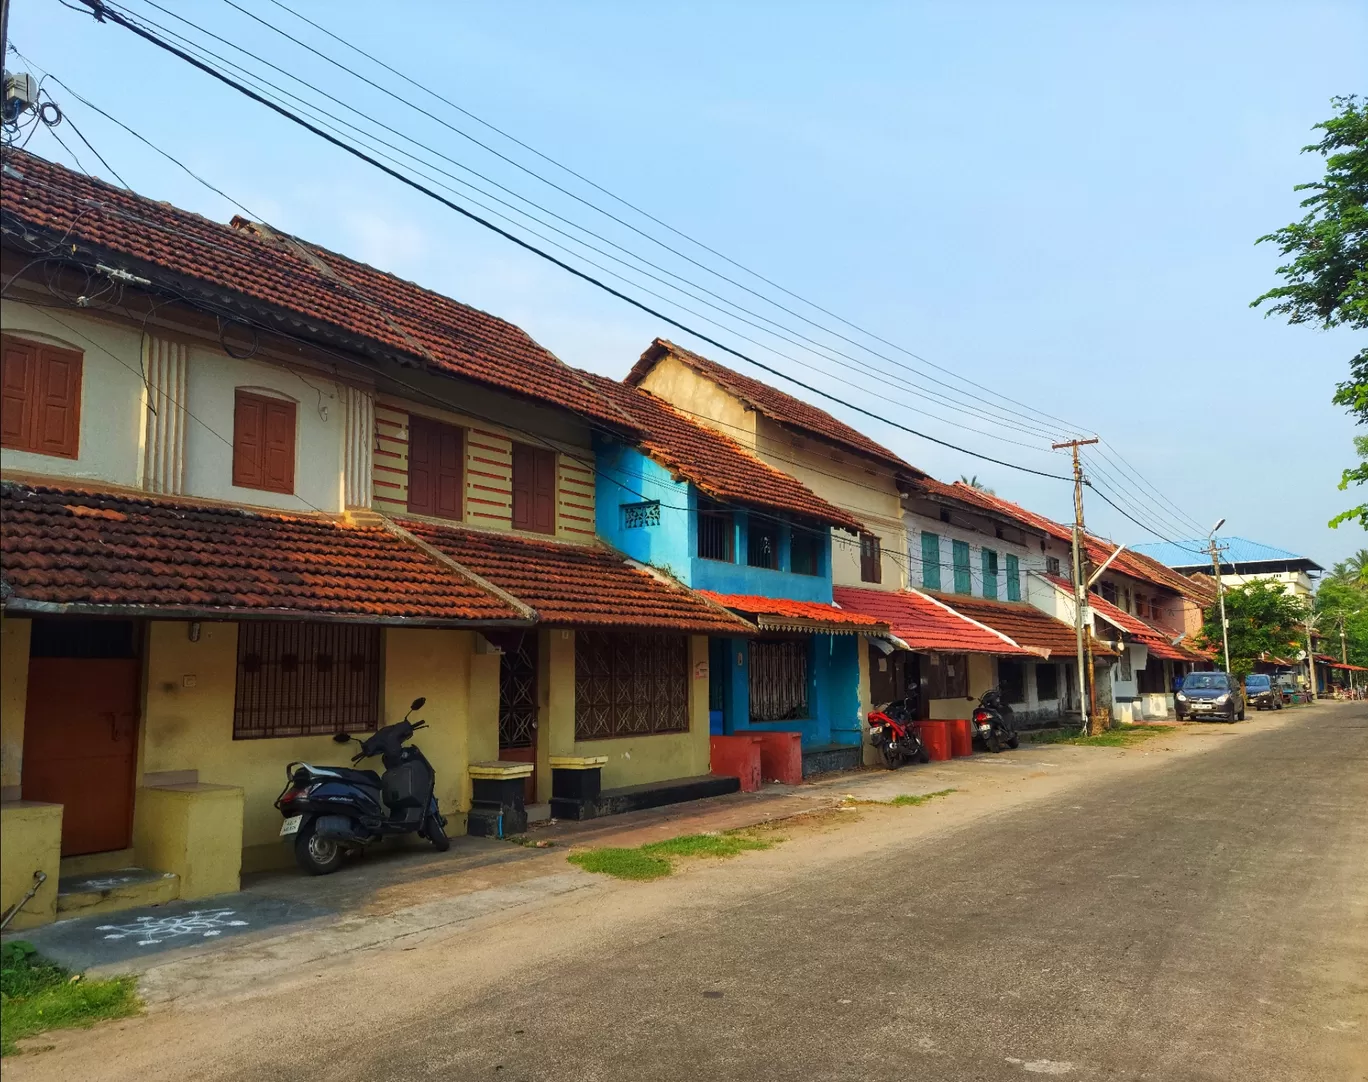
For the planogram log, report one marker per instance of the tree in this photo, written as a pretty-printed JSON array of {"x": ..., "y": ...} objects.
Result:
[
  {"x": 1263, "y": 618},
  {"x": 1350, "y": 572},
  {"x": 974, "y": 482},
  {"x": 1326, "y": 281}
]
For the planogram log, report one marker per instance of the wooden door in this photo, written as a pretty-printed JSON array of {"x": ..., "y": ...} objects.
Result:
[
  {"x": 518, "y": 702},
  {"x": 80, "y": 747}
]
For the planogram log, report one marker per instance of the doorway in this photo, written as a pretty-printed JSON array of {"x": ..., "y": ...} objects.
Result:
[
  {"x": 518, "y": 702},
  {"x": 81, "y": 729}
]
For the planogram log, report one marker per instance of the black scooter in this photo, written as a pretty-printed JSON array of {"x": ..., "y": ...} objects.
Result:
[
  {"x": 993, "y": 722},
  {"x": 331, "y": 809}
]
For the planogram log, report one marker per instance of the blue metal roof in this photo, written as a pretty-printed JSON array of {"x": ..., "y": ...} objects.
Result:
[{"x": 1239, "y": 550}]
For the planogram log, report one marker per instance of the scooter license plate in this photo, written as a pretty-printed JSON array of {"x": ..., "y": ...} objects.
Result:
[{"x": 291, "y": 825}]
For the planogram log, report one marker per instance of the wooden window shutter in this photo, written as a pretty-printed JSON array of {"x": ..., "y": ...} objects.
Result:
[
  {"x": 263, "y": 443},
  {"x": 436, "y": 476},
  {"x": 42, "y": 399},
  {"x": 534, "y": 489}
]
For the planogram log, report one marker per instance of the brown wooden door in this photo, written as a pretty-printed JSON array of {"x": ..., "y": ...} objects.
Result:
[
  {"x": 80, "y": 747},
  {"x": 518, "y": 702}
]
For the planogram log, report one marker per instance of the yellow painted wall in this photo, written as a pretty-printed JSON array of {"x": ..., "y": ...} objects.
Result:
[
  {"x": 14, "y": 659},
  {"x": 193, "y": 830},
  {"x": 632, "y": 760},
  {"x": 191, "y": 728},
  {"x": 30, "y": 840},
  {"x": 702, "y": 400}
]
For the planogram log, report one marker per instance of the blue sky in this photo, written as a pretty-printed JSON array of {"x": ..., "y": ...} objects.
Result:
[{"x": 1055, "y": 201}]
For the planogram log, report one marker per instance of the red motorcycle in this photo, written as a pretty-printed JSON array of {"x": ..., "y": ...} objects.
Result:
[{"x": 893, "y": 733}]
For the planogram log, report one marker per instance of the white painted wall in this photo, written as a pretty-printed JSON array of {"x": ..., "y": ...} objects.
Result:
[
  {"x": 113, "y": 403},
  {"x": 917, "y": 524},
  {"x": 319, "y": 440}
]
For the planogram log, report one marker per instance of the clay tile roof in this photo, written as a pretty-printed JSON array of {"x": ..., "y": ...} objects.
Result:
[
  {"x": 925, "y": 623},
  {"x": 1159, "y": 641},
  {"x": 774, "y": 404},
  {"x": 109, "y": 551},
  {"x": 781, "y": 612},
  {"x": 579, "y": 585},
  {"x": 716, "y": 464},
  {"x": 1134, "y": 564},
  {"x": 319, "y": 289},
  {"x": 1025, "y": 625}
]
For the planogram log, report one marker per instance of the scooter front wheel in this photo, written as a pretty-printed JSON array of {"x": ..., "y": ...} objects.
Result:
[{"x": 315, "y": 855}]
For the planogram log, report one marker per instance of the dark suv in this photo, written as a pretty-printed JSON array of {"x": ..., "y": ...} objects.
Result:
[
  {"x": 1210, "y": 695},
  {"x": 1262, "y": 692}
]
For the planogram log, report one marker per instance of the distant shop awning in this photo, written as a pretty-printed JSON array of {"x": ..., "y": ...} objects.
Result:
[
  {"x": 785, "y": 614},
  {"x": 925, "y": 624}
]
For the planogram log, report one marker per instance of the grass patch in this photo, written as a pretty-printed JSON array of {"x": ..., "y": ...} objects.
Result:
[
  {"x": 656, "y": 859},
  {"x": 908, "y": 800},
  {"x": 1118, "y": 736},
  {"x": 36, "y": 996}
]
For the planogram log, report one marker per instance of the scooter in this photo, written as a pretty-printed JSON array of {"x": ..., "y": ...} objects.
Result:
[
  {"x": 893, "y": 735},
  {"x": 993, "y": 723},
  {"x": 330, "y": 810}
]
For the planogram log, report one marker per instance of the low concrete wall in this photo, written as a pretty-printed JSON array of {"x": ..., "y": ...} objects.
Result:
[
  {"x": 194, "y": 831},
  {"x": 30, "y": 841}
]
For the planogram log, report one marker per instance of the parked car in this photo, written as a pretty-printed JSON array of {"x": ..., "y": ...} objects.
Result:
[
  {"x": 1262, "y": 692},
  {"x": 1210, "y": 695}
]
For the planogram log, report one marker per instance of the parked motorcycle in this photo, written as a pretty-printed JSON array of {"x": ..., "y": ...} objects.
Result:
[
  {"x": 993, "y": 722},
  {"x": 329, "y": 810},
  {"x": 893, "y": 734}
]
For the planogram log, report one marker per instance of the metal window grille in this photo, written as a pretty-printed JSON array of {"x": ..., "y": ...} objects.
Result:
[
  {"x": 517, "y": 687},
  {"x": 630, "y": 684},
  {"x": 762, "y": 545},
  {"x": 298, "y": 679},
  {"x": 715, "y": 533},
  {"x": 805, "y": 552},
  {"x": 778, "y": 680},
  {"x": 1052, "y": 565}
]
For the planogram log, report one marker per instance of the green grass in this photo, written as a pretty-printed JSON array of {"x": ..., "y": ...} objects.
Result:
[
  {"x": 656, "y": 859},
  {"x": 36, "y": 996},
  {"x": 908, "y": 800},
  {"x": 1119, "y": 736}
]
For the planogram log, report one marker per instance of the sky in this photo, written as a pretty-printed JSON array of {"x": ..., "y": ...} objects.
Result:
[{"x": 1044, "y": 208}]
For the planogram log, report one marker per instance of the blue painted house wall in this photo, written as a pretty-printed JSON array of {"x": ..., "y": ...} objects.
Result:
[{"x": 666, "y": 536}]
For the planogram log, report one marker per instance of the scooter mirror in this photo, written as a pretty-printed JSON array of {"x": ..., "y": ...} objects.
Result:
[
  {"x": 341, "y": 738},
  {"x": 418, "y": 703}
]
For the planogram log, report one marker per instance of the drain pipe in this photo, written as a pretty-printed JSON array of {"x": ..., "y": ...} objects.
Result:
[{"x": 39, "y": 878}]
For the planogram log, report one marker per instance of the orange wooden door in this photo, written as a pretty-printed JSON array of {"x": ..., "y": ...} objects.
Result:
[{"x": 80, "y": 747}]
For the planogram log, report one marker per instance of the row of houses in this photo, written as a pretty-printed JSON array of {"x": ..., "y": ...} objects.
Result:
[{"x": 255, "y": 492}]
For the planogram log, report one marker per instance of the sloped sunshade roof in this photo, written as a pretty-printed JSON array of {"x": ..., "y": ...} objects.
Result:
[
  {"x": 320, "y": 289},
  {"x": 773, "y": 403},
  {"x": 720, "y": 467},
  {"x": 925, "y": 623},
  {"x": 1025, "y": 625},
  {"x": 781, "y": 613},
  {"x": 579, "y": 585},
  {"x": 98, "y": 551}
]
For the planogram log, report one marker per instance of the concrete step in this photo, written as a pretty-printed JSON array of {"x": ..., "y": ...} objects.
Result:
[{"x": 110, "y": 891}]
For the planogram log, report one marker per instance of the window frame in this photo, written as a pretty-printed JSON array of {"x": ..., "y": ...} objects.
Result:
[
  {"x": 1012, "y": 563},
  {"x": 34, "y": 402},
  {"x": 963, "y": 569},
  {"x": 1053, "y": 670},
  {"x": 931, "y": 563},
  {"x": 259, "y": 479},
  {"x": 544, "y": 465},
  {"x": 658, "y": 662},
  {"x": 758, "y": 531},
  {"x": 1018, "y": 668},
  {"x": 724, "y": 524},
  {"x": 432, "y": 432},
  {"x": 988, "y": 560},
  {"x": 809, "y": 540},
  {"x": 871, "y": 558},
  {"x": 790, "y": 658},
  {"x": 941, "y": 686}
]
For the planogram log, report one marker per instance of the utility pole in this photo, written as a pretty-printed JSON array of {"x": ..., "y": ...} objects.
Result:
[
  {"x": 1215, "y": 550},
  {"x": 1087, "y": 682}
]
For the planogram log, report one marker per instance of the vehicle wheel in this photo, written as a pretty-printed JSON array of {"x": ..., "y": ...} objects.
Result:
[
  {"x": 437, "y": 835},
  {"x": 1242, "y": 714},
  {"x": 1014, "y": 742},
  {"x": 923, "y": 756},
  {"x": 891, "y": 758},
  {"x": 315, "y": 855},
  {"x": 994, "y": 744}
]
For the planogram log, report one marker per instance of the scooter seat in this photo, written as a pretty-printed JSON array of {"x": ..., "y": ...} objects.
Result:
[{"x": 344, "y": 773}]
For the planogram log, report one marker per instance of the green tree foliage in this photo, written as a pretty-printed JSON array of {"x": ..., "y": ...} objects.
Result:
[
  {"x": 1263, "y": 619},
  {"x": 1326, "y": 278},
  {"x": 1342, "y": 601}
]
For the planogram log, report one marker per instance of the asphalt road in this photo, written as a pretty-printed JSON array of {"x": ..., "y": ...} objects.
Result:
[{"x": 1201, "y": 917}]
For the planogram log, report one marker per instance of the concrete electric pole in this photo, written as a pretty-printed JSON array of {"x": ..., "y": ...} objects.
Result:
[
  {"x": 1215, "y": 551},
  {"x": 1087, "y": 684}
]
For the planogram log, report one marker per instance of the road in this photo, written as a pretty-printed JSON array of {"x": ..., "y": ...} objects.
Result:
[{"x": 1200, "y": 916}]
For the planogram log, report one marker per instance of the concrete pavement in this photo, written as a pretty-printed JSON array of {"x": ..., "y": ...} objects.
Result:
[{"x": 1194, "y": 909}]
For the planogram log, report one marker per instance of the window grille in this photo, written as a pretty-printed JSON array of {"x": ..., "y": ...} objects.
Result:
[
  {"x": 1047, "y": 682},
  {"x": 300, "y": 679},
  {"x": 805, "y": 551},
  {"x": 630, "y": 683},
  {"x": 778, "y": 680},
  {"x": 762, "y": 545},
  {"x": 636, "y": 516},
  {"x": 716, "y": 539}
]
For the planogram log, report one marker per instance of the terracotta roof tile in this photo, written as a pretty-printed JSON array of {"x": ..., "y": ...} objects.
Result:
[
  {"x": 578, "y": 585},
  {"x": 925, "y": 623},
  {"x": 815, "y": 612},
  {"x": 718, "y": 465},
  {"x": 321, "y": 288},
  {"x": 93, "y": 550},
  {"x": 1025, "y": 625},
  {"x": 774, "y": 404},
  {"x": 1157, "y": 640}
]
